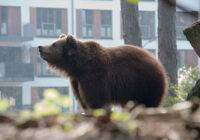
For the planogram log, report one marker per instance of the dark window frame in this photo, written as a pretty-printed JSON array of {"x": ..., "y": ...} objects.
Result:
[
  {"x": 2, "y": 8},
  {"x": 10, "y": 54},
  {"x": 7, "y": 92},
  {"x": 87, "y": 26},
  {"x": 149, "y": 26},
  {"x": 48, "y": 18},
  {"x": 189, "y": 18},
  {"x": 107, "y": 24},
  {"x": 181, "y": 58}
]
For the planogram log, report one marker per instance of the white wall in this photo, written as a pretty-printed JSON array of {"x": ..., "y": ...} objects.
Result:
[{"x": 192, "y": 5}]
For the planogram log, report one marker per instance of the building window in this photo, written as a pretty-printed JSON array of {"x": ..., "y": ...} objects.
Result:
[
  {"x": 183, "y": 20},
  {"x": 187, "y": 58},
  {"x": 3, "y": 20},
  {"x": 48, "y": 22},
  {"x": 13, "y": 95},
  {"x": 181, "y": 54},
  {"x": 147, "y": 24},
  {"x": 106, "y": 24},
  {"x": 94, "y": 24},
  {"x": 87, "y": 23},
  {"x": 10, "y": 54}
]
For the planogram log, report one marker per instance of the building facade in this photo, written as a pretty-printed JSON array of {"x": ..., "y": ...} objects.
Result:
[{"x": 28, "y": 24}]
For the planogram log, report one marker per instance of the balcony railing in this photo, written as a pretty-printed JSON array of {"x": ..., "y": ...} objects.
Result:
[
  {"x": 87, "y": 30},
  {"x": 16, "y": 72},
  {"x": 106, "y": 31},
  {"x": 28, "y": 34}
]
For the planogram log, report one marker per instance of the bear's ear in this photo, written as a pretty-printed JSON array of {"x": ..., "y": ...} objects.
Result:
[
  {"x": 71, "y": 41},
  {"x": 62, "y": 35}
]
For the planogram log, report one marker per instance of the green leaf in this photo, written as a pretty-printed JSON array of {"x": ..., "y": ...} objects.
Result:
[
  {"x": 46, "y": 108},
  {"x": 52, "y": 95},
  {"x": 66, "y": 101},
  {"x": 68, "y": 126},
  {"x": 133, "y": 1},
  {"x": 69, "y": 116},
  {"x": 4, "y": 105},
  {"x": 99, "y": 112},
  {"x": 120, "y": 116}
]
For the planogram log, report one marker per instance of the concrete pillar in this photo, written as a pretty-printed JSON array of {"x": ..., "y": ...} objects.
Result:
[
  {"x": 25, "y": 49},
  {"x": 156, "y": 30},
  {"x": 25, "y": 14},
  {"x": 26, "y": 94},
  {"x": 71, "y": 16},
  {"x": 116, "y": 20}
]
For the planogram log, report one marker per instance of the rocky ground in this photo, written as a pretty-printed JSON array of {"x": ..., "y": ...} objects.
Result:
[{"x": 182, "y": 122}]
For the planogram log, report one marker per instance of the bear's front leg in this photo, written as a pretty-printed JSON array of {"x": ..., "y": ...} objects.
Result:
[
  {"x": 94, "y": 94},
  {"x": 75, "y": 90}
]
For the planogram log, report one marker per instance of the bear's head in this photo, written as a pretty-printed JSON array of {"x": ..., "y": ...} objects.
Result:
[
  {"x": 61, "y": 52},
  {"x": 70, "y": 55}
]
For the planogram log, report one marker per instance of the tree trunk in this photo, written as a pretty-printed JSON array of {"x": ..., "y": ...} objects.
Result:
[
  {"x": 193, "y": 35},
  {"x": 167, "y": 39},
  {"x": 130, "y": 22}
]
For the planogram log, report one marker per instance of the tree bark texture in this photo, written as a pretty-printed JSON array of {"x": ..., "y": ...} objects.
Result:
[
  {"x": 130, "y": 23},
  {"x": 193, "y": 36},
  {"x": 167, "y": 39}
]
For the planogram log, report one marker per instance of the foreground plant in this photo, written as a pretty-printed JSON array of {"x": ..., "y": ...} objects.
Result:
[
  {"x": 52, "y": 104},
  {"x": 187, "y": 77},
  {"x": 4, "y": 105}
]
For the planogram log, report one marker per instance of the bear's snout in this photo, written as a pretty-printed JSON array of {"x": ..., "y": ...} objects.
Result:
[{"x": 40, "y": 48}]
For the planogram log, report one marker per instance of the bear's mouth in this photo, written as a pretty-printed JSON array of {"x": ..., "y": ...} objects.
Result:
[{"x": 44, "y": 55}]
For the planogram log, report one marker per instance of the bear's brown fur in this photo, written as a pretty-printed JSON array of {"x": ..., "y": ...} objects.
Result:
[{"x": 102, "y": 76}]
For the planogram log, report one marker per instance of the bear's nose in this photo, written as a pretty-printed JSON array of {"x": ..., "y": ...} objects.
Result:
[{"x": 40, "y": 48}]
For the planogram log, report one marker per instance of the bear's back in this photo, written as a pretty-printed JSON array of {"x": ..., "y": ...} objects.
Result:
[{"x": 135, "y": 74}]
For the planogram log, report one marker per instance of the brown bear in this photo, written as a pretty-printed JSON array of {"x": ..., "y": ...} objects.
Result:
[{"x": 102, "y": 76}]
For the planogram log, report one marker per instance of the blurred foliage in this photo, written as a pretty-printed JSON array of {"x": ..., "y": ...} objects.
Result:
[
  {"x": 99, "y": 112},
  {"x": 45, "y": 108},
  {"x": 68, "y": 126},
  {"x": 26, "y": 114},
  {"x": 120, "y": 116},
  {"x": 133, "y": 1},
  {"x": 187, "y": 77},
  {"x": 132, "y": 125},
  {"x": 53, "y": 103},
  {"x": 4, "y": 105}
]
